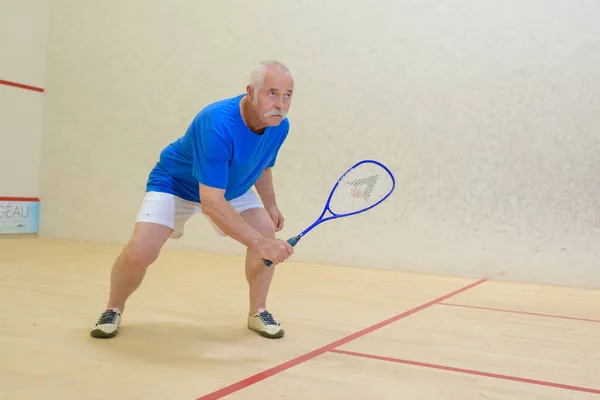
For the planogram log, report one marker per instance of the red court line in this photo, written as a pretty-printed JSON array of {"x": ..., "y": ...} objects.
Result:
[
  {"x": 21, "y": 86},
  {"x": 519, "y": 312},
  {"x": 19, "y": 199},
  {"x": 469, "y": 371},
  {"x": 308, "y": 356}
]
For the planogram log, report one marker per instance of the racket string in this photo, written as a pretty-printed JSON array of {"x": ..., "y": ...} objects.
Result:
[{"x": 361, "y": 187}]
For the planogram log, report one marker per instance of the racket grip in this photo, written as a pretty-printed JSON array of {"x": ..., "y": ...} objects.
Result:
[{"x": 292, "y": 241}]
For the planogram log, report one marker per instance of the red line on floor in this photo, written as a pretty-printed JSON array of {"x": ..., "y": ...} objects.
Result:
[
  {"x": 519, "y": 312},
  {"x": 21, "y": 86},
  {"x": 468, "y": 371},
  {"x": 308, "y": 356}
]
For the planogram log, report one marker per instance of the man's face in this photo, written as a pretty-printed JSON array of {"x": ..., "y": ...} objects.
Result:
[{"x": 273, "y": 100}]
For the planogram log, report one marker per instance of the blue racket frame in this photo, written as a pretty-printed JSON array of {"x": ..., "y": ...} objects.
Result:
[{"x": 294, "y": 240}]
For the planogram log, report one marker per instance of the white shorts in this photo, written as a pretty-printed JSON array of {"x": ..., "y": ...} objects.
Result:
[{"x": 172, "y": 211}]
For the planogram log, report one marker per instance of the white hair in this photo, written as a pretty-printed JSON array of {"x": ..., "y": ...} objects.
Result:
[{"x": 257, "y": 77}]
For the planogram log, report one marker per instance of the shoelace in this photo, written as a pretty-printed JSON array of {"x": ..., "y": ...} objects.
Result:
[
  {"x": 267, "y": 318},
  {"x": 107, "y": 317}
]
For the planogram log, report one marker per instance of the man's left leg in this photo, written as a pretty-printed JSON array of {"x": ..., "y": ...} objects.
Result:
[{"x": 259, "y": 277}]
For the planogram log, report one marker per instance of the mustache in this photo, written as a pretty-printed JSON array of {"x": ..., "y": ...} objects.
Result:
[{"x": 272, "y": 113}]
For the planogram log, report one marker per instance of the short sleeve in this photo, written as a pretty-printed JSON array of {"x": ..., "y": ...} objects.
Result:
[{"x": 211, "y": 155}]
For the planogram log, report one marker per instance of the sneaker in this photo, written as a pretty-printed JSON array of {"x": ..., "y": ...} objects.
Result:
[
  {"x": 108, "y": 324},
  {"x": 263, "y": 323}
]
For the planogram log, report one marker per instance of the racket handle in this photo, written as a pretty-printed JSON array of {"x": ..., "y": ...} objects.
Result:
[{"x": 292, "y": 241}]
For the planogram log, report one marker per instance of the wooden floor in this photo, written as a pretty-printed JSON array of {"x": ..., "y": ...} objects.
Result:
[{"x": 350, "y": 333}]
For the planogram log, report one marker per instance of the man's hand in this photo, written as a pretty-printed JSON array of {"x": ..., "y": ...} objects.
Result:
[
  {"x": 233, "y": 225},
  {"x": 276, "y": 216},
  {"x": 275, "y": 250}
]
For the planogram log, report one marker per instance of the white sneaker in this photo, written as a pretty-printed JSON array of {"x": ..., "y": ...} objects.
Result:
[
  {"x": 263, "y": 323},
  {"x": 108, "y": 324}
]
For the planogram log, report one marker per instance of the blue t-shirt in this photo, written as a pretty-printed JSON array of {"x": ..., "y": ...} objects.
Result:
[{"x": 217, "y": 150}]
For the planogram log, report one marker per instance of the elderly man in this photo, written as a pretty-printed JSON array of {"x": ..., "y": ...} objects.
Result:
[{"x": 229, "y": 147}]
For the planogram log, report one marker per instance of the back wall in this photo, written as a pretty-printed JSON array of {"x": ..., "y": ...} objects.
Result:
[{"x": 487, "y": 113}]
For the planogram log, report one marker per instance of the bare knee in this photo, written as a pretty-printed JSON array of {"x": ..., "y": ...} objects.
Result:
[
  {"x": 266, "y": 227},
  {"x": 145, "y": 244},
  {"x": 139, "y": 255}
]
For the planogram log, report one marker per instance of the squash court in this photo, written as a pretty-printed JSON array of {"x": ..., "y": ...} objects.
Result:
[
  {"x": 350, "y": 333},
  {"x": 477, "y": 279}
]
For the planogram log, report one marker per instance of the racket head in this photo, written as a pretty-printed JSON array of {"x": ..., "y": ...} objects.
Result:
[{"x": 362, "y": 187}]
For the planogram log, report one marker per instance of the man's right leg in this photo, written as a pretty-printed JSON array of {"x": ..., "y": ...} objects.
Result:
[{"x": 128, "y": 271}]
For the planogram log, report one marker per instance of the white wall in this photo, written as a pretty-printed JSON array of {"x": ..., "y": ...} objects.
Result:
[
  {"x": 22, "y": 61},
  {"x": 487, "y": 112}
]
